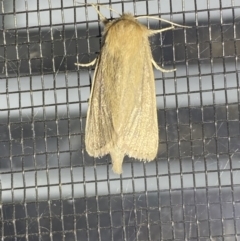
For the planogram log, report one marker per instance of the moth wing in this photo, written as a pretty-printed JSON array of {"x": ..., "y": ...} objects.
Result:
[
  {"x": 138, "y": 137},
  {"x": 98, "y": 131}
]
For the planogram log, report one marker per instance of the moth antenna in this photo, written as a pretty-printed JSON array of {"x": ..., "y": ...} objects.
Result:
[
  {"x": 152, "y": 32},
  {"x": 111, "y": 9},
  {"x": 164, "y": 20},
  {"x": 102, "y": 18}
]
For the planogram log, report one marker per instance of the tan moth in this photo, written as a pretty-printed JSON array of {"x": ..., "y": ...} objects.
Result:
[{"x": 122, "y": 113}]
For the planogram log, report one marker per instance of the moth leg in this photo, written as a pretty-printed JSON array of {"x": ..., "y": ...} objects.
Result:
[
  {"x": 160, "y": 68},
  {"x": 87, "y": 65},
  {"x": 153, "y": 62},
  {"x": 152, "y": 32}
]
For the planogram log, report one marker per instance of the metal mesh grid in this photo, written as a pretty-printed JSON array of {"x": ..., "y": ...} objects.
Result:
[{"x": 52, "y": 190}]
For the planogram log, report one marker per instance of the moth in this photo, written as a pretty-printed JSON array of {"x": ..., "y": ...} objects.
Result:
[{"x": 122, "y": 113}]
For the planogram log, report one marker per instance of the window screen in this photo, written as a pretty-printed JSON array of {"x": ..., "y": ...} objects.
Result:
[{"x": 51, "y": 189}]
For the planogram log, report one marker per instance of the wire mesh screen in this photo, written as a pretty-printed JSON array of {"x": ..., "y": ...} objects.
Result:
[{"x": 52, "y": 190}]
